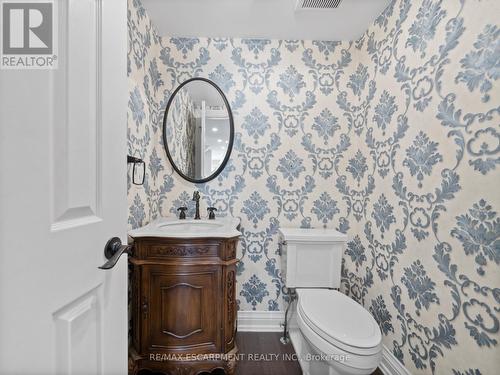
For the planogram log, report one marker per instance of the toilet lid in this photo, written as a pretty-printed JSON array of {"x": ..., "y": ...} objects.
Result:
[{"x": 338, "y": 319}]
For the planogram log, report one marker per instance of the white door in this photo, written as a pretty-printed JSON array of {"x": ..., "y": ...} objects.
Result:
[{"x": 62, "y": 196}]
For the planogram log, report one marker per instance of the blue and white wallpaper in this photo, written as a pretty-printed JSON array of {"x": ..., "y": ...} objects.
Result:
[{"x": 393, "y": 138}]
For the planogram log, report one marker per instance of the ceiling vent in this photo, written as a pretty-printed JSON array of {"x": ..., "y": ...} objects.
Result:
[{"x": 317, "y": 4}]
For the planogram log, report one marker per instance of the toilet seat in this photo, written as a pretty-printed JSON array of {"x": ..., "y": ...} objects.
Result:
[
  {"x": 339, "y": 361},
  {"x": 339, "y": 320}
]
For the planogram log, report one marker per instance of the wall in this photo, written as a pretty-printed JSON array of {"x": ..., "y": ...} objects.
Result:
[
  {"x": 393, "y": 138},
  {"x": 144, "y": 115},
  {"x": 425, "y": 253},
  {"x": 281, "y": 170}
]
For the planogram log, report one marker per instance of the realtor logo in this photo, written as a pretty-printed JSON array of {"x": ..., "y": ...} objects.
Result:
[{"x": 28, "y": 35}]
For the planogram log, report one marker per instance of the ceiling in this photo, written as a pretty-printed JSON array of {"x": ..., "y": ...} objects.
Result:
[{"x": 270, "y": 19}]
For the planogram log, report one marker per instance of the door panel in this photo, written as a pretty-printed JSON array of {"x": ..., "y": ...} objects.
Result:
[
  {"x": 171, "y": 306},
  {"x": 62, "y": 196},
  {"x": 183, "y": 309},
  {"x": 78, "y": 327},
  {"x": 76, "y": 132}
]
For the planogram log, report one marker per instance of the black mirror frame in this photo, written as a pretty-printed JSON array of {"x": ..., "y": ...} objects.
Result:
[{"x": 231, "y": 133}]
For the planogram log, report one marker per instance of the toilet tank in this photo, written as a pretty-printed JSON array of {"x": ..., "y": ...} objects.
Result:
[{"x": 311, "y": 258}]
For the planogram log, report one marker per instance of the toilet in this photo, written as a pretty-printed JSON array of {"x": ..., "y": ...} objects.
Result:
[{"x": 331, "y": 333}]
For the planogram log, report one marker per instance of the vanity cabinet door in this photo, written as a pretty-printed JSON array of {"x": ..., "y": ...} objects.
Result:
[{"x": 184, "y": 312}]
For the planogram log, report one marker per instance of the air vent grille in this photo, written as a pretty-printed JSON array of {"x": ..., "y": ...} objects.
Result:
[{"x": 318, "y": 4}]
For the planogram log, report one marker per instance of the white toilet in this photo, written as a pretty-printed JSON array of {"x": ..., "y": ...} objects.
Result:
[{"x": 331, "y": 333}]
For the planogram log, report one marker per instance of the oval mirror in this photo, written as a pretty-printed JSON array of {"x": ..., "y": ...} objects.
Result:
[{"x": 198, "y": 130}]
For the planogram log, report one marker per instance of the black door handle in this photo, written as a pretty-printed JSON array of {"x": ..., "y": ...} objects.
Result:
[{"x": 113, "y": 251}]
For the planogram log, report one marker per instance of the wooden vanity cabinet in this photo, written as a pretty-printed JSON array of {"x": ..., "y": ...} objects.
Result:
[{"x": 183, "y": 305}]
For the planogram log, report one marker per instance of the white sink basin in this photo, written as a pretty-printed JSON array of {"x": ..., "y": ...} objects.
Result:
[
  {"x": 187, "y": 226},
  {"x": 174, "y": 228}
]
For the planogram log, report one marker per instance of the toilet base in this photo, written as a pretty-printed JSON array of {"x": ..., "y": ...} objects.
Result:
[
  {"x": 310, "y": 363},
  {"x": 314, "y": 362}
]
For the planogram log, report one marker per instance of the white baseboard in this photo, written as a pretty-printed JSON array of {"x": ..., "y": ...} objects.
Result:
[
  {"x": 260, "y": 321},
  {"x": 390, "y": 365}
]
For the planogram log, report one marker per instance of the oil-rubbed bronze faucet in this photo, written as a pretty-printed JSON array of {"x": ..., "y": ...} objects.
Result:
[{"x": 196, "y": 198}]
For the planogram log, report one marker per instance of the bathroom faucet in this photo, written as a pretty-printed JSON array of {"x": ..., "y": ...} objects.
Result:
[{"x": 196, "y": 198}]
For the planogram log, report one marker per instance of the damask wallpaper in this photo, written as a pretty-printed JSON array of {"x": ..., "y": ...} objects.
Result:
[{"x": 393, "y": 138}]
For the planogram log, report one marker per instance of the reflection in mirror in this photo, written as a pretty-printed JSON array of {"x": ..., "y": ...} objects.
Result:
[{"x": 198, "y": 130}]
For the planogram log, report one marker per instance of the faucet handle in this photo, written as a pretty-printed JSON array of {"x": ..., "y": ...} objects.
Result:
[
  {"x": 211, "y": 214},
  {"x": 182, "y": 214}
]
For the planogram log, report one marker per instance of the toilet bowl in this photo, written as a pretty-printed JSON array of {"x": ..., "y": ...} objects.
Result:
[
  {"x": 337, "y": 335},
  {"x": 331, "y": 333}
]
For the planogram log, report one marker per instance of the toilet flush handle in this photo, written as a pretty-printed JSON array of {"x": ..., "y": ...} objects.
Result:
[{"x": 281, "y": 244}]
